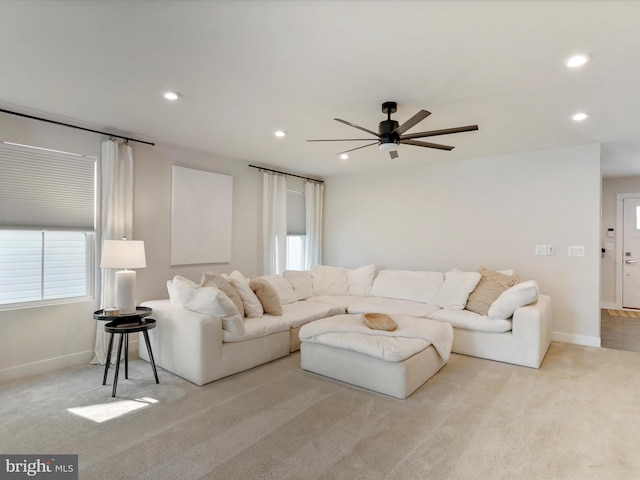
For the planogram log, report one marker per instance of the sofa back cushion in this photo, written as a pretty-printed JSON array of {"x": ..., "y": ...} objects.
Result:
[
  {"x": 510, "y": 300},
  {"x": 418, "y": 286},
  {"x": 210, "y": 301},
  {"x": 211, "y": 279},
  {"x": 252, "y": 305},
  {"x": 456, "y": 289},
  {"x": 283, "y": 288},
  {"x": 329, "y": 280},
  {"x": 360, "y": 280},
  {"x": 301, "y": 281}
]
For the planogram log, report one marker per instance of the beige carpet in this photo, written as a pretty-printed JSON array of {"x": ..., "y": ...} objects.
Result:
[
  {"x": 578, "y": 417},
  {"x": 623, "y": 313}
]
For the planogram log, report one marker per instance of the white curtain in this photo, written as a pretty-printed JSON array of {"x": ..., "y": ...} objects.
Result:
[
  {"x": 116, "y": 221},
  {"x": 274, "y": 223},
  {"x": 313, "y": 200}
]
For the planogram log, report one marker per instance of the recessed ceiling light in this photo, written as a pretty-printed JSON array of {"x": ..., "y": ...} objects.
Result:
[
  {"x": 171, "y": 95},
  {"x": 279, "y": 133},
  {"x": 577, "y": 60},
  {"x": 344, "y": 156},
  {"x": 580, "y": 116}
]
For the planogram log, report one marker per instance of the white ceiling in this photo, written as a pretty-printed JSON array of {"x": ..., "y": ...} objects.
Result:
[{"x": 245, "y": 69}]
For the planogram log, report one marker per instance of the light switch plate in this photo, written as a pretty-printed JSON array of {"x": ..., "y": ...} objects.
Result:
[
  {"x": 541, "y": 249},
  {"x": 576, "y": 251},
  {"x": 551, "y": 250}
]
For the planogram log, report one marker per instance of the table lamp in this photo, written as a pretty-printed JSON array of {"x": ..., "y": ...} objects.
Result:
[{"x": 124, "y": 254}]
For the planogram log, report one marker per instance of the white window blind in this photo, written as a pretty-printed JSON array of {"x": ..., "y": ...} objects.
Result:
[
  {"x": 295, "y": 213},
  {"x": 42, "y": 188}
]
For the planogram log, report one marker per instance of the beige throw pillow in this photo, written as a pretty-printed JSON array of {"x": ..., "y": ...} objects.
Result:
[
  {"x": 490, "y": 287},
  {"x": 267, "y": 294},
  {"x": 210, "y": 279},
  {"x": 252, "y": 306}
]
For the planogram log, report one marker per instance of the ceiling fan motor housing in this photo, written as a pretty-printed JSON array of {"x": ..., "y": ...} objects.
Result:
[{"x": 386, "y": 130}]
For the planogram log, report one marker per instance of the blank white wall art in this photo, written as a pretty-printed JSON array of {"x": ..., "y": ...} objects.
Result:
[{"x": 201, "y": 208}]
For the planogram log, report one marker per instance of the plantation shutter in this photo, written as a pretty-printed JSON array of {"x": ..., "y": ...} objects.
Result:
[{"x": 46, "y": 189}]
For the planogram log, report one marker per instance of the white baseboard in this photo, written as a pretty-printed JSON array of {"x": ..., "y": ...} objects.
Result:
[
  {"x": 575, "y": 339},
  {"x": 610, "y": 305},
  {"x": 51, "y": 364}
]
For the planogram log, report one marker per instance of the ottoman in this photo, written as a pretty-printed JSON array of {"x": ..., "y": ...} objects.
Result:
[{"x": 393, "y": 363}]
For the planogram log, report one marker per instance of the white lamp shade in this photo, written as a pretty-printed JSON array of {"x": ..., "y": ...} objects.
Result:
[{"x": 123, "y": 254}]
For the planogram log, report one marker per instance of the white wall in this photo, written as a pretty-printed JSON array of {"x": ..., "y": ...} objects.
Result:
[
  {"x": 41, "y": 339},
  {"x": 611, "y": 187},
  {"x": 491, "y": 211}
]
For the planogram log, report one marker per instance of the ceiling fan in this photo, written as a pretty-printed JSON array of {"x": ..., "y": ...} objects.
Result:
[{"x": 391, "y": 134}]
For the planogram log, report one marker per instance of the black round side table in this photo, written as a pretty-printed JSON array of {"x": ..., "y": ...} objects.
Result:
[{"x": 124, "y": 325}]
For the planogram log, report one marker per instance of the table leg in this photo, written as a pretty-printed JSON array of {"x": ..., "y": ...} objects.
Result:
[
  {"x": 115, "y": 379},
  {"x": 106, "y": 365},
  {"x": 153, "y": 363},
  {"x": 126, "y": 356}
]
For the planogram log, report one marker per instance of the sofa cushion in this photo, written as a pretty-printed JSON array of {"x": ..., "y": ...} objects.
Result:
[
  {"x": 456, "y": 288},
  {"x": 210, "y": 301},
  {"x": 283, "y": 287},
  {"x": 491, "y": 285},
  {"x": 342, "y": 301},
  {"x": 251, "y": 303},
  {"x": 510, "y": 300},
  {"x": 299, "y": 313},
  {"x": 301, "y": 281},
  {"x": 329, "y": 280},
  {"x": 257, "y": 327},
  {"x": 267, "y": 294},
  {"x": 470, "y": 321},
  {"x": 210, "y": 279},
  {"x": 360, "y": 280},
  {"x": 391, "y": 306},
  {"x": 407, "y": 285}
]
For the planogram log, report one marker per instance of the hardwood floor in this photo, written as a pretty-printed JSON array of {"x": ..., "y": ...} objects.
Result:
[{"x": 619, "y": 333}]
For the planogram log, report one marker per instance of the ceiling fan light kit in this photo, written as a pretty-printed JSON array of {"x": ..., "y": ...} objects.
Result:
[{"x": 391, "y": 134}]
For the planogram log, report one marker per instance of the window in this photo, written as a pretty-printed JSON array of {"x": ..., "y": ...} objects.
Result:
[
  {"x": 46, "y": 224},
  {"x": 295, "y": 230},
  {"x": 43, "y": 265}
]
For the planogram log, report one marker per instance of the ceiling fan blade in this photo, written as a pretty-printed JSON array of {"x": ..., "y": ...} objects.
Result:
[
  {"x": 356, "y": 126},
  {"x": 357, "y": 148},
  {"x": 417, "y": 118},
  {"x": 444, "y": 131},
  {"x": 393, "y": 154},
  {"x": 343, "y": 140},
  {"x": 427, "y": 144}
]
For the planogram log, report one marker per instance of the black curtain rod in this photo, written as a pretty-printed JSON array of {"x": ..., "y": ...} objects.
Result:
[
  {"x": 75, "y": 126},
  {"x": 285, "y": 173}
]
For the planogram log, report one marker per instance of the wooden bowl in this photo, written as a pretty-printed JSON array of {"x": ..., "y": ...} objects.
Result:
[{"x": 380, "y": 321}]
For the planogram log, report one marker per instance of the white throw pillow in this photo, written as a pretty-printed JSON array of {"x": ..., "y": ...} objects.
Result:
[
  {"x": 301, "y": 281},
  {"x": 360, "y": 280},
  {"x": 252, "y": 306},
  {"x": 210, "y": 301},
  {"x": 180, "y": 289},
  {"x": 510, "y": 300},
  {"x": 283, "y": 288},
  {"x": 456, "y": 289},
  {"x": 329, "y": 280},
  {"x": 172, "y": 293},
  {"x": 407, "y": 285}
]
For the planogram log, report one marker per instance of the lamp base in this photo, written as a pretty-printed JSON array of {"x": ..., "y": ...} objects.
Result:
[{"x": 126, "y": 291}]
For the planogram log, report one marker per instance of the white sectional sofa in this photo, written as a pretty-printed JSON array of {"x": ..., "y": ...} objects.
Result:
[{"x": 202, "y": 343}]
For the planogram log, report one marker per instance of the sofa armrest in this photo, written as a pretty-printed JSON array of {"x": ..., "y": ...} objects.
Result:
[
  {"x": 531, "y": 329},
  {"x": 184, "y": 342}
]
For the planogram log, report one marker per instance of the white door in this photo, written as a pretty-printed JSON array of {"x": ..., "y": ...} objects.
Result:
[{"x": 631, "y": 253}]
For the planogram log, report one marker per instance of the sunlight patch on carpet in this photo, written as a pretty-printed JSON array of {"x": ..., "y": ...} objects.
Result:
[{"x": 108, "y": 411}]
